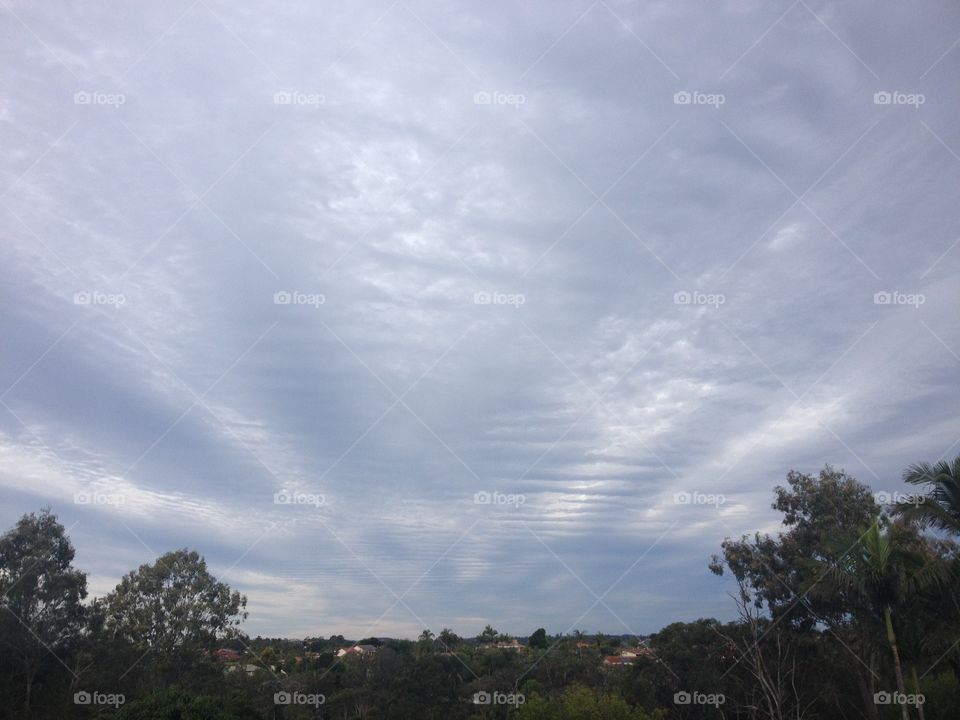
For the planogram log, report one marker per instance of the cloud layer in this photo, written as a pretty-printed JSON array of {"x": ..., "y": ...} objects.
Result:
[{"x": 406, "y": 314}]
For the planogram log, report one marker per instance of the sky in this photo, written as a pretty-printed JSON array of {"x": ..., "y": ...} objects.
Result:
[{"x": 413, "y": 314}]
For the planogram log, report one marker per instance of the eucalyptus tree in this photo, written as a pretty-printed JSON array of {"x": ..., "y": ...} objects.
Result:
[
  {"x": 173, "y": 611},
  {"x": 41, "y": 604}
]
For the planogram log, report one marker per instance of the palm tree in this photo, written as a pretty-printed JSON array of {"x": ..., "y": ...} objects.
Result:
[
  {"x": 886, "y": 575},
  {"x": 940, "y": 508}
]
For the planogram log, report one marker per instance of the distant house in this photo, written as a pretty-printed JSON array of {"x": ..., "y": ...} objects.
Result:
[
  {"x": 359, "y": 650},
  {"x": 512, "y": 645},
  {"x": 617, "y": 661},
  {"x": 636, "y": 652},
  {"x": 248, "y": 669},
  {"x": 227, "y": 655}
]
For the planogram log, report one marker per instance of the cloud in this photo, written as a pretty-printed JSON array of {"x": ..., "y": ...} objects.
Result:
[{"x": 590, "y": 257}]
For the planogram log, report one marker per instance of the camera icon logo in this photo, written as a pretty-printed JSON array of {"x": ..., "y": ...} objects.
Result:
[
  {"x": 682, "y": 98},
  {"x": 482, "y": 698},
  {"x": 682, "y": 698}
]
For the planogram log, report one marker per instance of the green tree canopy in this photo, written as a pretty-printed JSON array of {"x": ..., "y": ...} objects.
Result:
[
  {"x": 538, "y": 639},
  {"x": 41, "y": 594},
  {"x": 173, "y": 605}
]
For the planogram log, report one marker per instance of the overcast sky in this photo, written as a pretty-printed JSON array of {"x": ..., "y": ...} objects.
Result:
[{"x": 409, "y": 314}]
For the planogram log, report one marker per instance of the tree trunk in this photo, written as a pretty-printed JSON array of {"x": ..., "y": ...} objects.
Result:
[
  {"x": 26, "y": 700},
  {"x": 867, "y": 688},
  {"x": 916, "y": 690},
  {"x": 897, "y": 669}
]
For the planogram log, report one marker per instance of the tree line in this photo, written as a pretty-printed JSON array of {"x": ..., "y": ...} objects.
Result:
[{"x": 851, "y": 610}]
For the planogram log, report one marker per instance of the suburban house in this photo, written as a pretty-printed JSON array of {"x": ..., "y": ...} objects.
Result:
[
  {"x": 618, "y": 661},
  {"x": 512, "y": 645},
  {"x": 248, "y": 669},
  {"x": 635, "y": 652},
  {"x": 358, "y": 650},
  {"x": 227, "y": 655}
]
